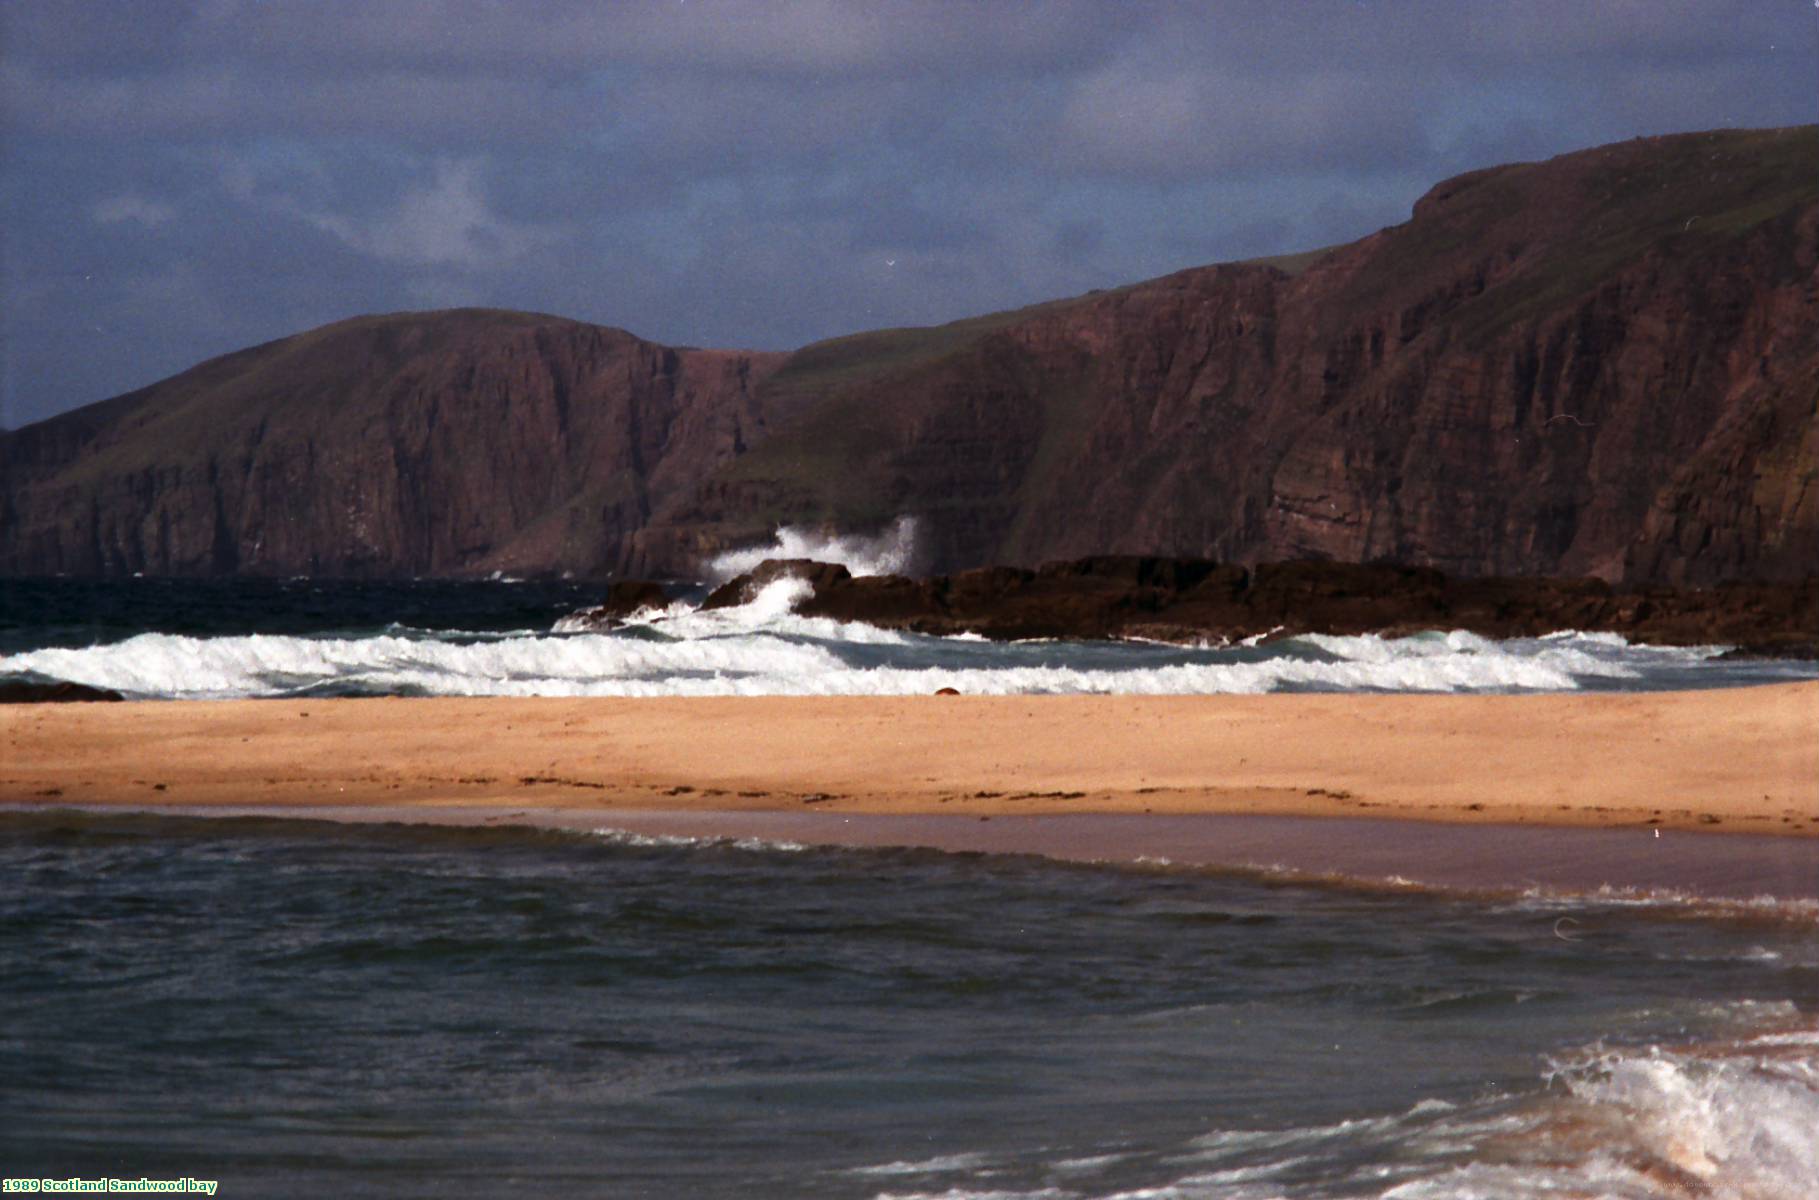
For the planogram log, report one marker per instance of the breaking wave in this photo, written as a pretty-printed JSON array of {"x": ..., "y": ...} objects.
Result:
[
  {"x": 889, "y": 552},
  {"x": 1731, "y": 1120},
  {"x": 237, "y": 649},
  {"x": 764, "y": 648}
]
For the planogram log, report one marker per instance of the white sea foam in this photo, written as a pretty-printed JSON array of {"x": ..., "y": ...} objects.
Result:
[
  {"x": 887, "y": 553},
  {"x": 583, "y": 622},
  {"x": 1606, "y": 655},
  {"x": 626, "y": 837},
  {"x": 1736, "y": 1121},
  {"x": 963, "y": 1193},
  {"x": 793, "y": 656},
  {"x": 1741, "y": 1119},
  {"x": 939, "y": 1165},
  {"x": 170, "y": 665},
  {"x": 771, "y": 610},
  {"x": 1759, "y": 907},
  {"x": 1092, "y": 1164},
  {"x": 662, "y": 841},
  {"x": 1732, "y": 1119},
  {"x": 764, "y": 647},
  {"x": 1222, "y": 1143}
]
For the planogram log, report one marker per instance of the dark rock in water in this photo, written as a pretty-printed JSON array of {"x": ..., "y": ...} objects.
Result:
[
  {"x": 19, "y": 691},
  {"x": 623, "y": 599},
  {"x": 1194, "y": 599},
  {"x": 1793, "y": 645},
  {"x": 743, "y": 589}
]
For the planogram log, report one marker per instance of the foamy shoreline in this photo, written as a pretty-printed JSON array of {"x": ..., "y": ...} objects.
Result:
[
  {"x": 1732, "y": 760},
  {"x": 1765, "y": 876}
]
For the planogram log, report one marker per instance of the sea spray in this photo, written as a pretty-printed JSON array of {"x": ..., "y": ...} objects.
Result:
[
  {"x": 889, "y": 552},
  {"x": 1741, "y": 1118},
  {"x": 1716, "y": 1120}
]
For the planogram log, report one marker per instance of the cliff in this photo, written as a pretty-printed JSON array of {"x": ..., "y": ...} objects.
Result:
[
  {"x": 1602, "y": 365},
  {"x": 1606, "y": 364},
  {"x": 452, "y": 443}
]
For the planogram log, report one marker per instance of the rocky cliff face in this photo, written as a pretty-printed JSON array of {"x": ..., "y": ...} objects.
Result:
[
  {"x": 1606, "y": 364},
  {"x": 436, "y": 444}
]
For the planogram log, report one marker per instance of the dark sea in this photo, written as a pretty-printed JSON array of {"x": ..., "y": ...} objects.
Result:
[{"x": 302, "y": 1007}]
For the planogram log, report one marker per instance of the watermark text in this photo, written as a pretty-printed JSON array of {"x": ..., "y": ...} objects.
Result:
[{"x": 107, "y": 1185}]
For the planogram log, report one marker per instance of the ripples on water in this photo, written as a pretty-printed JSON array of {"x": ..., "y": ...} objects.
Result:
[{"x": 297, "y": 1008}]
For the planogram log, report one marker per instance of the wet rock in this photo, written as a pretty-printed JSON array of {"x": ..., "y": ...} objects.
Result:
[
  {"x": 745, "y": 588},
  {"x": 20, "y": 691},
  {"x": 1196, "y": 600},
  {"x": 624, "y": 598},
  {"x": 1790, "y": 645}
]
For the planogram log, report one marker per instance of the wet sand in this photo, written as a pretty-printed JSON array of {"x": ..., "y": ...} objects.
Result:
[{"x": 1732, "y": 760}]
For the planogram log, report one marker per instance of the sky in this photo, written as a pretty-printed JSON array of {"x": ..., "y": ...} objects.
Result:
[{"x": 179, "y": 180}]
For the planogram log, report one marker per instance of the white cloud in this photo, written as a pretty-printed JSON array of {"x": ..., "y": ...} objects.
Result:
[
  {"x": 1152, "y": 114},
  {"x": 445, "y": 223},
  {"x": 130, "y": 207}
]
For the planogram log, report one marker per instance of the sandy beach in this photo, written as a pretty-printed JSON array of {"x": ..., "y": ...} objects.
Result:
[{"x": 1729, "y": 760}]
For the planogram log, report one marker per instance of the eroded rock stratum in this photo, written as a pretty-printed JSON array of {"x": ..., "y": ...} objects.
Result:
[{"x": 1602, "y": 365}]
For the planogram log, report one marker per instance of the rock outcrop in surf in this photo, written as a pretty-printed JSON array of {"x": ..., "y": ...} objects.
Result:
[{"x": 1194, "y": 600}]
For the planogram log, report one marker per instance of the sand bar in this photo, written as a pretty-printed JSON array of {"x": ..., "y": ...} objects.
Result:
[{"x": 1728, "y": 760}]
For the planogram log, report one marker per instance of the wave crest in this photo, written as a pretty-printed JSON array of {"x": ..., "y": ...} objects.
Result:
[{"x": 889, "y": 552}]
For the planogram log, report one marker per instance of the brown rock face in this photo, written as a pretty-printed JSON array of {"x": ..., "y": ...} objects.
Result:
[
  {"x": 1602, "y": 365},
  {"x": 625, "y": 598},
  {"x": 820, "y": 576},
  {"x": 1606, "y": 364},
  {"x": 451, "y": 443}
]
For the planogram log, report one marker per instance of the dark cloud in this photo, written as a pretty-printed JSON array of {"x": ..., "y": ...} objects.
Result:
[{"x": 181, "y": 178}]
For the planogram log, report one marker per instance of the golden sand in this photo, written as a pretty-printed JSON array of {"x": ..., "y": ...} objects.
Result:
[{"x": 1722, "y": 760}]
